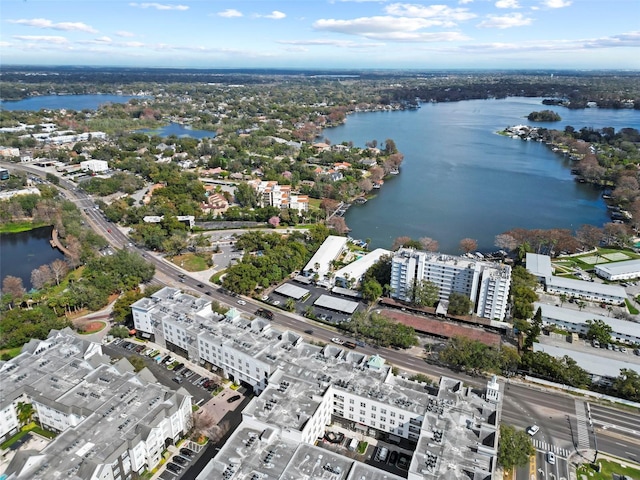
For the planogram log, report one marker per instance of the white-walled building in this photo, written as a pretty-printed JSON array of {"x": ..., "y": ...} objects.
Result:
[
  {"x": 541, "y": 267},
  {"x": 485, "y": 283},
  {"x": 321, "y": 262},
  {"x": 95, "y": 166},
  {"x": 303, "y": 388},
  {"x": 613, "y": 271},
  {"x": 270, "y": 193},
  {"x": 356, "y": 270},
  {"x": 575, "y": 321},
  {"x": 112, "y": 422}
]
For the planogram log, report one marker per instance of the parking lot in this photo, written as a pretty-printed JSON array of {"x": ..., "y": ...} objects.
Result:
[
  {"x": 169, "y": 369},
  {"x": 303, "y": 306}
]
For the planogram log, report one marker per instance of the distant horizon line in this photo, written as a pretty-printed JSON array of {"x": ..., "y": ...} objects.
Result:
[{"x": 320, "y": 69}]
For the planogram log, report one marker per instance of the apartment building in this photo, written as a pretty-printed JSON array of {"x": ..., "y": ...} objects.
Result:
[
  {"x": 485, "y": 283},
  {"x": 112, "y": 423},
  {"x": 270, "y": 193},
  {"x": 302, "y": 388}
]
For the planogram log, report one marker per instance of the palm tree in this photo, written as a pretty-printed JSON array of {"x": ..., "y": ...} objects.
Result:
[{"x": 25, "y": 412}]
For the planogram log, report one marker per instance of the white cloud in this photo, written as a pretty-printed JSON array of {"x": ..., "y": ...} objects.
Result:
[
  {"x": 44, "y": 23},
  {"x": 123, "y": 33},
  {"x": 372, "y": 25},
  {"x": 275, "y": 15},
  {"x": 333, "y": 43},
  {"x": 42, "y": 38},
  {"x": 630, "y": 39},
  {"x": 160, "y": 6},
  {"x": 133, "y": 44},
  {"x": 446, "y": 15},
  {"x": 556, "y": 3},
  {"x": 230, "y": 13},
  {"x": 465, "y": 2},
  {"x": 507, "y": 4},
  {"x": 505, "y": 21}
]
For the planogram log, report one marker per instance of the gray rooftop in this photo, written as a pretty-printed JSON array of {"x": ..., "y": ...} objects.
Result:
[
  {"x": 580, "y": 318},
  {"x": 621, "y": 268},
  {"x": 584, "y": 286},
  {"x": 292, "y": 291},
  {"x": 591, "y": 362},
  {"x": 338, "y": 304},
  {"x": 539, "y": 265}
]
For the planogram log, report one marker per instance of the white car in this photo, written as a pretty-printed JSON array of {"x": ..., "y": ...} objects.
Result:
[
  {"x": 533, "y": 429},
  {"x": 551, "y": 458},
  {"x": 241, "y": 302},
  {"x": 337, "y": 340}
]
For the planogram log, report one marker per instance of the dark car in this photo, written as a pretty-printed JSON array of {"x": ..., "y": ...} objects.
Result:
[
  {"x": 187, "y": 452},
  {"x": 200, "y": 285},
  {"x": 393, "y": 458},
  {"x": 180, "y": 460},
  {"x": 174, "y": 467},
  {"x": 233, "y": 399},
  {"x": 309, "y": 332},
  {"x": 177, "y": 380}
]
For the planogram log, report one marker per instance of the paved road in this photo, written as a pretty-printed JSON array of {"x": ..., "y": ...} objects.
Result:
[{"x": 557, "y": 413}]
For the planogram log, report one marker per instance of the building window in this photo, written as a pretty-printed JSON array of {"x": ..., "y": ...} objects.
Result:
[{"x": 362, "y": 404}]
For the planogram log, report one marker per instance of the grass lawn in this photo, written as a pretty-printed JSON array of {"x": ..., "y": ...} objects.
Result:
[
  {"x": 192, "y": 262},
  {"x": 608, "y": 468},
  {"x": 16, "y": 227},
  {"x": 632, "y": 310},
  {"x": 10, "y": 352},
  {"x": 31, "y": 427}
]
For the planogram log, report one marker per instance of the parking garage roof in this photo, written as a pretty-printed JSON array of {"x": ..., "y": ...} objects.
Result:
[{"x": 337, "y": 304}]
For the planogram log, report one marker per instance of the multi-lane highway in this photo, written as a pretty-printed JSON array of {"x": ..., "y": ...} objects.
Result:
[{"x": 563, "y": 419}]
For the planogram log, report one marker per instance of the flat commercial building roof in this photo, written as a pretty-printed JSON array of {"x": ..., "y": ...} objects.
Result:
[
  {"x": 292, "y": 291},
  {"x": 592, "y": 363},
  {"x": 358, "y": 268},
  {"x": 320, "y": 263},
  {"x": 539, "y": 265},
  {"x": 337, "y": 304},
  {"x": 620, "y": 268}
]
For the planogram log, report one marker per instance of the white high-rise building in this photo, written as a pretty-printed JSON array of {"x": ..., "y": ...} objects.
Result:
[{"x": 485, "y": 283}]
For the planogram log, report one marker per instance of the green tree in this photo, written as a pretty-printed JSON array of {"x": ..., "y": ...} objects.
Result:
[
  {"x": 246, "y": 196},
  {"x": 121, "y": 311},
  {"x": 599, "y": 330},
  {"x": 371, "y": 290},
  {"x": 119, "y": 331},
  {"x": 459, "y": 304},
  {"x": 25, "y": 412},
  {"x": 534, "y": 330},
  {"x": 136, "y": 362},
  {"x": 424, "y": 293},
  {"x": 627, "y": 385},
  {"x": 514, "y": 447}
]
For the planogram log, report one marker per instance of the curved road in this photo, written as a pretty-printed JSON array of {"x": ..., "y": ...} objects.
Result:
[{"x": 616, "y": 432}]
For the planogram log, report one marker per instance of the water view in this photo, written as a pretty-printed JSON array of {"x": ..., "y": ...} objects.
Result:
[
  {"x": 68, "y": 102},
  {"x": 25, "y": 251},
  {"x": 179, "y": 131},
  {"x": 460, "y": 179}
]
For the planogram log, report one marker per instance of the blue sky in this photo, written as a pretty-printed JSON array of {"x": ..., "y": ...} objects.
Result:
[{"x": 379, "y": 34}]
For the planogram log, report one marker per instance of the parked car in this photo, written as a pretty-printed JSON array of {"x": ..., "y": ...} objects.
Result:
[
  {"x": 178, "y": 380},
  {"x": 174, "y": 467},
  {"x": 233, "y": 399},
  {"x": 180, "y": 460},
  {"x": 187, "y": 452}
]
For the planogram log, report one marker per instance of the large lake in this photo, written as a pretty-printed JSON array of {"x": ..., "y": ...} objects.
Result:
[
  {"x": 68, "y": 102},
  {"x": 460, "y": 179},
  {"x": 25, "y": 251}
]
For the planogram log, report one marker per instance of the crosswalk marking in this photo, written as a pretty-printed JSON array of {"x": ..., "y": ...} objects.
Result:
[
  {"x": 581, "y": 418},
  {"x": 546, "y": 447}
]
